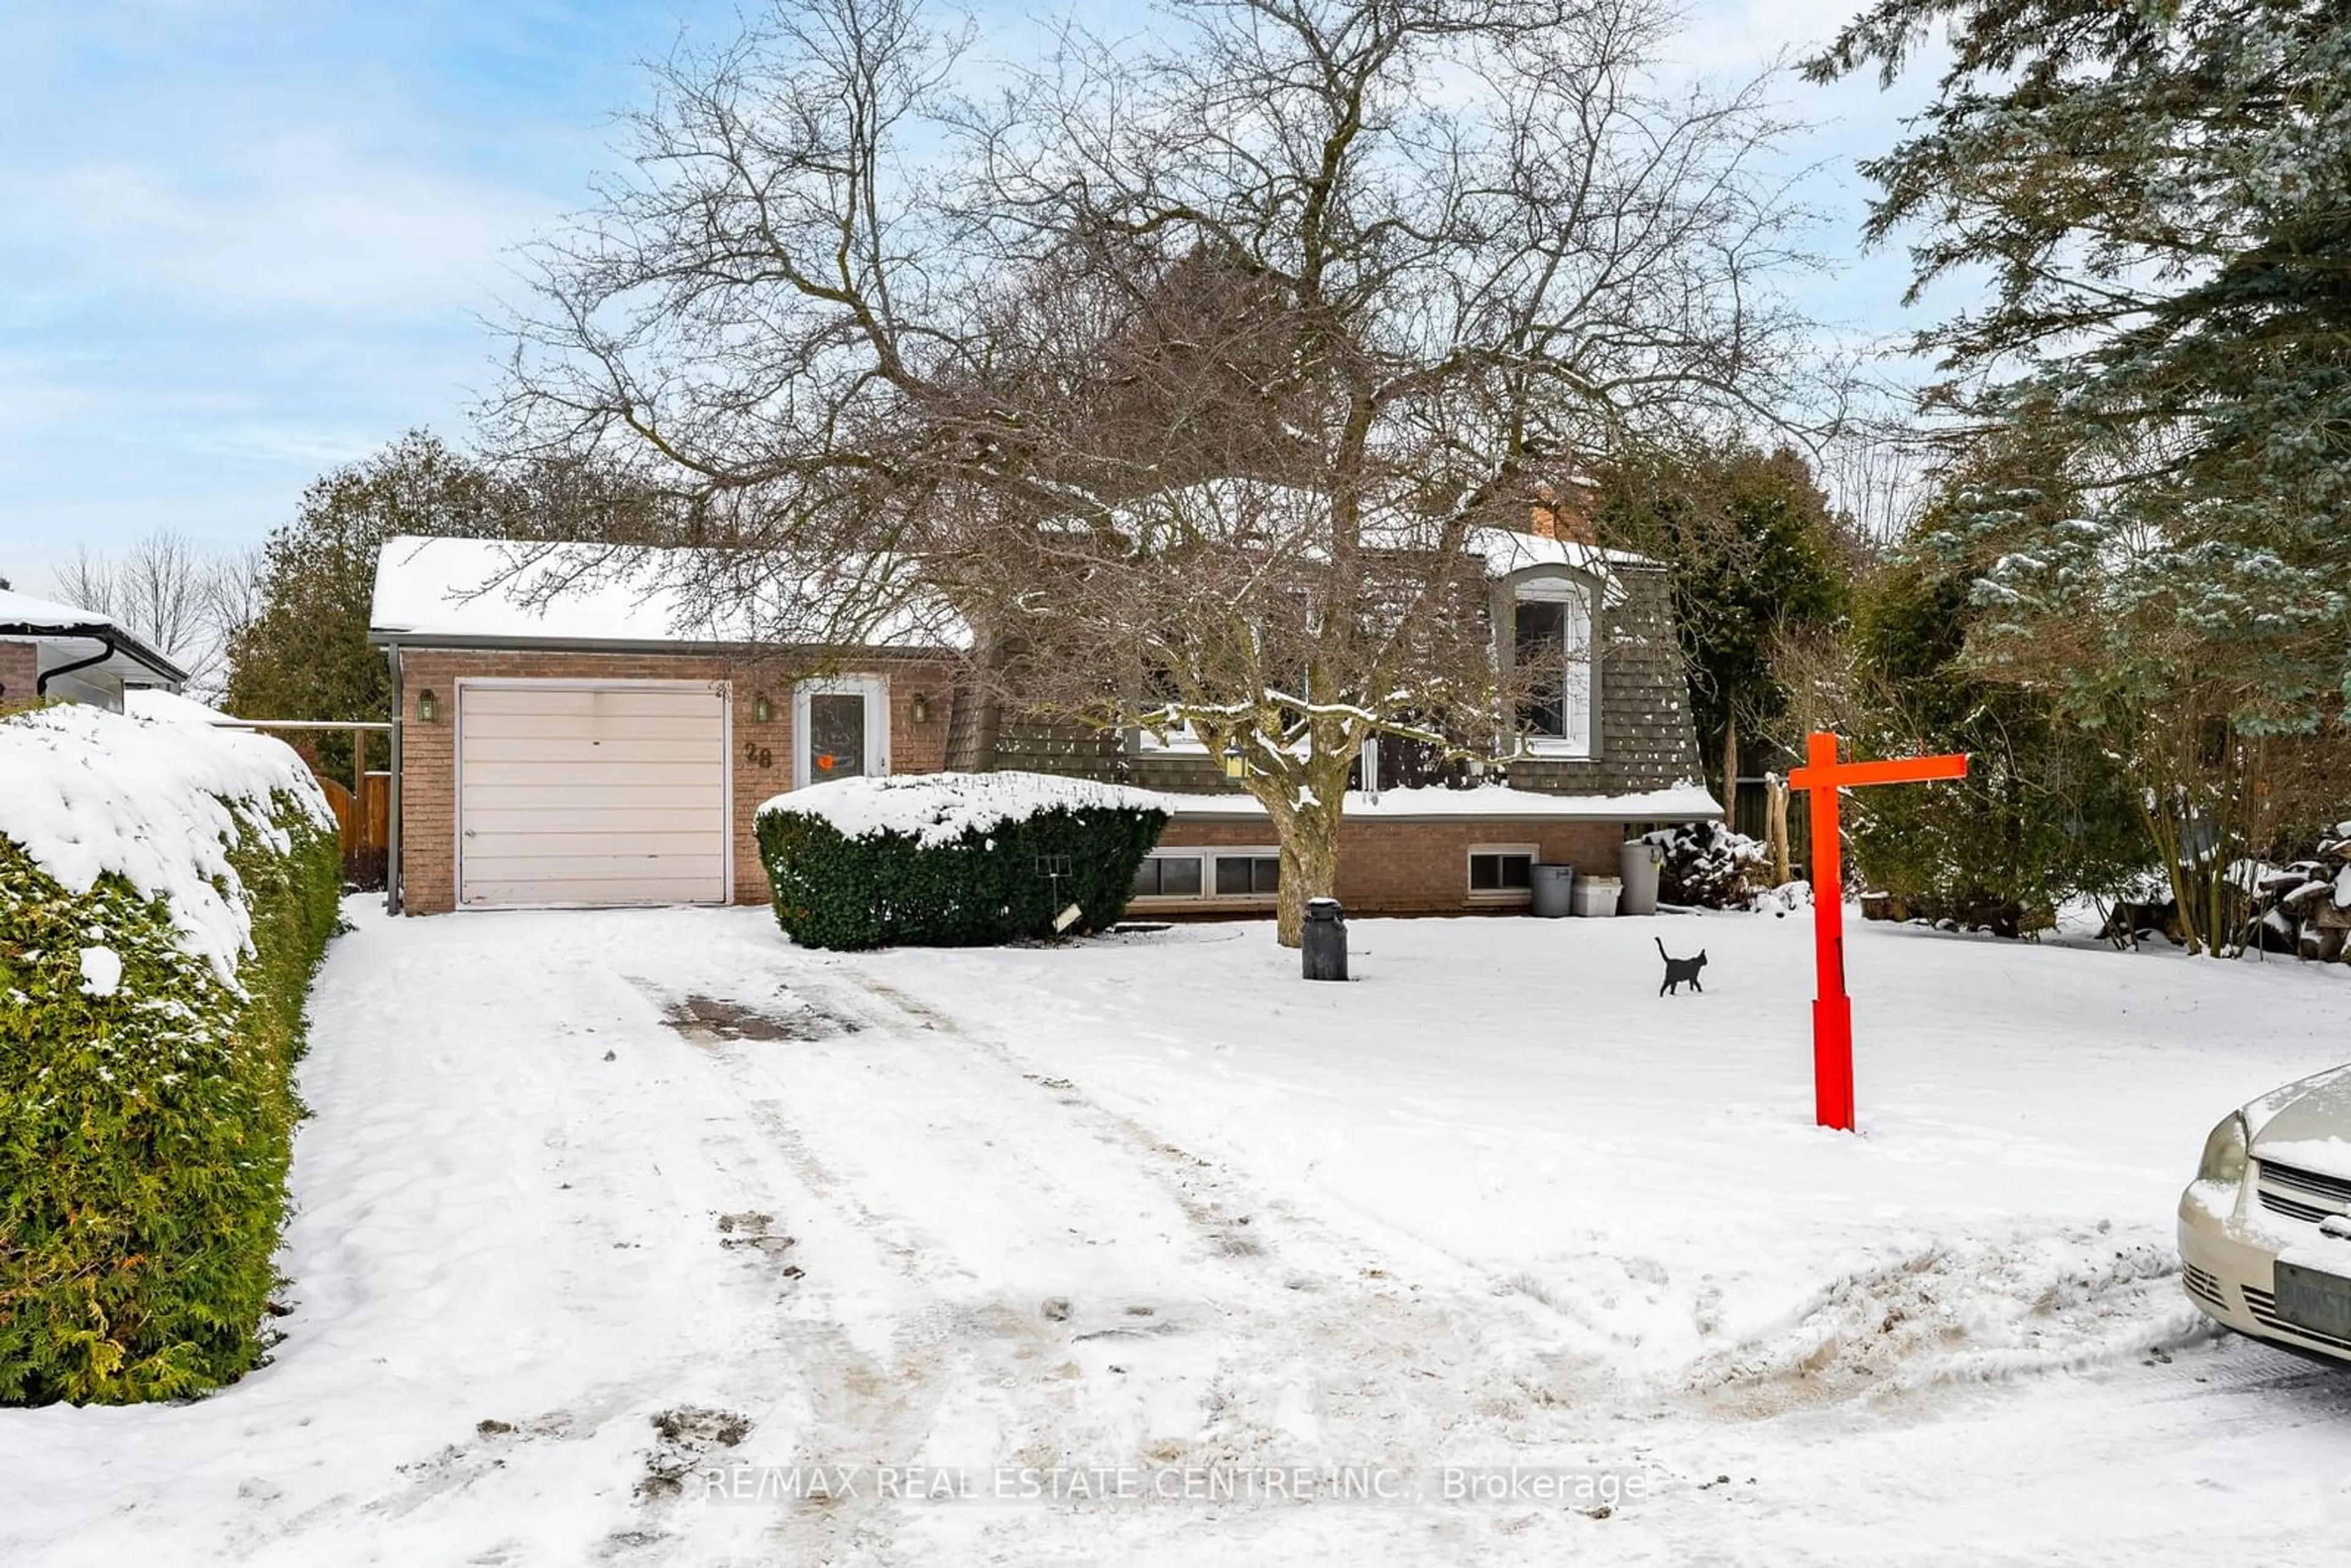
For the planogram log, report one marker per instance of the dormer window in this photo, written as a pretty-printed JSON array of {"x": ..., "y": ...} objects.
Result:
[{"x": 1550, "y": 656}]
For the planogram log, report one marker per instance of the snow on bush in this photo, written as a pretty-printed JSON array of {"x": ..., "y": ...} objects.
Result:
[
  {"x": 951, "y": 858},
  {"x": 165, "y": 893},
  {"x": 936, "y": 809},
  {"x": 161, "y": 805}
]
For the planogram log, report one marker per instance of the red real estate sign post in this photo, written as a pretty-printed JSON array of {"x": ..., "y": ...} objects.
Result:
[{"x": 1823, "y": 774}]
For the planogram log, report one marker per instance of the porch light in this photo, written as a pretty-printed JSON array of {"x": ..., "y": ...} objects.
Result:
[
  {"x": 762, "y": 710},
  {"x": 918, "y": 707},
  {"x": 428, "y": 707},
  {"x": 1232, "y": 759}
]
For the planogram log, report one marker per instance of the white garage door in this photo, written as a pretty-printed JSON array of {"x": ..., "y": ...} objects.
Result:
[{"x": 592, "y": 794}]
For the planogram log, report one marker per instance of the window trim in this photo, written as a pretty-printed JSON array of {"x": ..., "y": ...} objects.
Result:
[
  {"x": 1500, "y": 896},
  {"x": 1207, "y": 897},
  {"x": 1579, "y": 673},
  {"x": 875, "y": 690}
]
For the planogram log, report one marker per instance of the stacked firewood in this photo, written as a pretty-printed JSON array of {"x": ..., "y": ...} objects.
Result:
[{"x": 2304, "y": 908}]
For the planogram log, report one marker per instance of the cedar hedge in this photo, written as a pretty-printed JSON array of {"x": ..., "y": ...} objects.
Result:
[
  {"x": 144, "y": 1135},
  {"x": 993, "y": 884}
]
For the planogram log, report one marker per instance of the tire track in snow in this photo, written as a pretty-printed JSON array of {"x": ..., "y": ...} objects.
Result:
[{"x": 1191, "y": 1319}]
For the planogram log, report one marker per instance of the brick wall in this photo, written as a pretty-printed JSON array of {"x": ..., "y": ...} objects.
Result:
[
  {"x": 762, "y": 759},
  {"x": 20, "y": 673},
  {"x": 1419, "y": 868}
]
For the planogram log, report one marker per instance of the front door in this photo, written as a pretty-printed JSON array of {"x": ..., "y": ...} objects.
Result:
[{"x": 841, "y": 730}]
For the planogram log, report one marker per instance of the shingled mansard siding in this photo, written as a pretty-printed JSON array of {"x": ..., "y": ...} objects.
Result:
[
  {"x": 1646, "y": 734},
  {"x": 1647, "y": 738}
]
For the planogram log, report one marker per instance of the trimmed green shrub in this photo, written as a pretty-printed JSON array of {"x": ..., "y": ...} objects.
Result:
[
  {"x": 941, "y": 883},
  {"x": 145, "y": 1127}
]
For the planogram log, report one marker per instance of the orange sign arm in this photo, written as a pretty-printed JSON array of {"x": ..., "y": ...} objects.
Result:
[{"x": 1898, "y": 770}]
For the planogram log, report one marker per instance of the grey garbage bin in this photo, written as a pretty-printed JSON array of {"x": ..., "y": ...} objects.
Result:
[
  {"x": 1554, "y": 889},
  {"x": 1638, "y": 861}
]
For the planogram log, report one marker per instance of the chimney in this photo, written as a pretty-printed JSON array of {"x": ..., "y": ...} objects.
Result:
[{"x": 1568, "y": 515}]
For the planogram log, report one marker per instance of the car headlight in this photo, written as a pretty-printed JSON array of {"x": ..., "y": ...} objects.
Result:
[{"x": 2224, "y": 1150}]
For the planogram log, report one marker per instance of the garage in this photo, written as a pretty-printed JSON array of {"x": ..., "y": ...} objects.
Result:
[{"x": 592, "y": 793}]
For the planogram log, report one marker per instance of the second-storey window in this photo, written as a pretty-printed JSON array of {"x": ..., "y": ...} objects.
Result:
[{"x": 1552, "y": 656}]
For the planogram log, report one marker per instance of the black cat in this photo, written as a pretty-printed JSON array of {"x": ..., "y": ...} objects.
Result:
[{"x": 1680, "y": 969}]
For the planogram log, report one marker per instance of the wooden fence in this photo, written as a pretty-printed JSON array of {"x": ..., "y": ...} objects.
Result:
[{"x": 364, "y": 822}]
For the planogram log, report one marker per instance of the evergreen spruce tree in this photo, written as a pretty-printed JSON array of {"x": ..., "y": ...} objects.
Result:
[
  {"x": 2161, "y": 194},
  {"x": 1756, "y": 555}
]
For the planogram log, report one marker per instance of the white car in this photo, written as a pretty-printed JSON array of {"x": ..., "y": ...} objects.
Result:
[{"x": 2265, "y": 1228}]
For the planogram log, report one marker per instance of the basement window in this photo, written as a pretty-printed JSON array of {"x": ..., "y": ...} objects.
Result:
[
  {"x": 1501, "y": 873},
  {"x": 1168, "y": 876},
  {"x": 1209, "y": 876},
  {"x": 1247, "y": 875}
]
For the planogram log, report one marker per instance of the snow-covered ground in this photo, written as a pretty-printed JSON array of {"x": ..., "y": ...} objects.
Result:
[{"x": 595, "y": 1207}]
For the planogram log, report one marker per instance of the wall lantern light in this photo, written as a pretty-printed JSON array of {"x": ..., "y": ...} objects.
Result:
[
  {"x": 428, "y": 707},
  {"x": 918, "y": 708},
  {"x": 1233, "y": 759},
  {"x": 762, "y": 710}
]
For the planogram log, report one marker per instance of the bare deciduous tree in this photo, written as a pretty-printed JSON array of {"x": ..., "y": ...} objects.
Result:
[
  {"x": 1190, "y": 368},
  {"x": 169, "y": 593}
]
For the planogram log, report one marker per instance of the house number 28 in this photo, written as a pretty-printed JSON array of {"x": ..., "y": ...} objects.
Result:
[{"x": 758, "y": 756}]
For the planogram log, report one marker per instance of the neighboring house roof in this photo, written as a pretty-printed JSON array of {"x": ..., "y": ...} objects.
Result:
[
  {"x": 45, "y": 619},
  {"x": 21, "y": 613},
  {"x": 495, "y": 593}
]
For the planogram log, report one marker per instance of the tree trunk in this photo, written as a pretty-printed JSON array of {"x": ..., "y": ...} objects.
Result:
[
  {"x": 1778, "y": 828},
  {"x": 1304, "y": 807},
  {"x": 1309, "y": 870},
  {"x": 1729, "y": 769}
]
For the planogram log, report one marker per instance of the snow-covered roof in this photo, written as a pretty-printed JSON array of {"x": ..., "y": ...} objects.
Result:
[
  {"x": 23, "y": 613},
  {"x": 940, "y": 807},
  {"x": 1683, "y": 802},
  {"x": 1268, "y": 508},
  {"x": 495, "y": 593},
  {"x": 1506, "y": 550}
]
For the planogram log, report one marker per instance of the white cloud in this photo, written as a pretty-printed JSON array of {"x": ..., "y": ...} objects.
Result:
[{"x": 301, "y": 223}]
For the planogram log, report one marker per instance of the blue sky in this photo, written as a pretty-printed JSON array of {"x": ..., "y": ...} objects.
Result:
[{"x": 244, "y": 240}]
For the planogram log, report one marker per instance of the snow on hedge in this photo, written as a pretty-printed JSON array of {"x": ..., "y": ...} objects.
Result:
[
  {"x": 83, "y": 792},
  {"x": 940, "y": 807},
  {"x": 169, "y": 707}
]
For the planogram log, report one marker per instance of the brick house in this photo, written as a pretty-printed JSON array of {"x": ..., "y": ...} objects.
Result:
[
  {"x": 58, "y": 652},
  {"x": 604, "y": 745}
]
